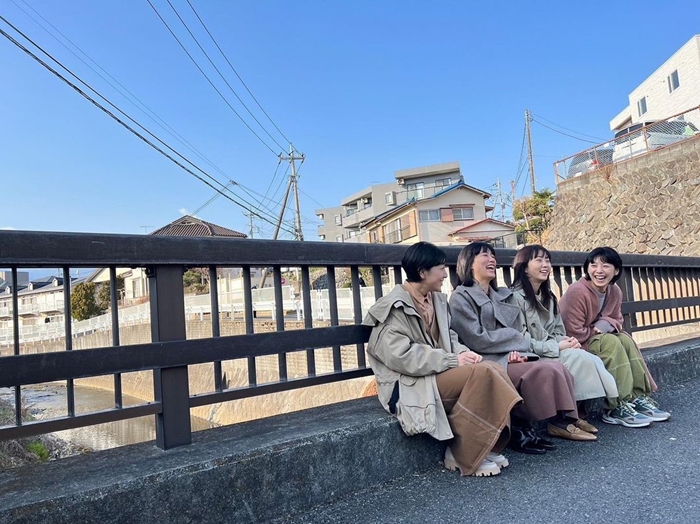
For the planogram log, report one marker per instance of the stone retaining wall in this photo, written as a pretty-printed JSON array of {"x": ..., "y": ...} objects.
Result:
[{"x": 647, "y": 205}]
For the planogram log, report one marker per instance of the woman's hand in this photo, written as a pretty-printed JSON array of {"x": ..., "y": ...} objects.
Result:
[
  {"x": 569, "y": 343},
  {"x": 469, "y": 357},
  {"x": 514, "y": 357}
]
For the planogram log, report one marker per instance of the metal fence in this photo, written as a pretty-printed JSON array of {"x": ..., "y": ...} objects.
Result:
[
  {"x": 658, "y": 291},
  {"x": 633, "y": 141}
]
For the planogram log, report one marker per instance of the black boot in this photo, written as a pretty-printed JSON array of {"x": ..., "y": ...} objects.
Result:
[
  {"x": 541, "y": 442},
  {"x": 522, "y": 441}
]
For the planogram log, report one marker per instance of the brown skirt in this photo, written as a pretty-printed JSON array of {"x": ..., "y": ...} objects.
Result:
[
  {"x": 478, "y": 399},
  {"x": 546, "y": 387}
]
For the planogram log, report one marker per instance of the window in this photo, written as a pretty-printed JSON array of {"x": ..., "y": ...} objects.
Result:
[
  {"x": 463, "y": 213},
  {"x": 673, "y": 82},
  {"x": 339, "y": 238},
  {"x": 415, "y": 190},
  {"x": 390, "y": 198},
  {"x": 429, "y": 215},
  {"x": 642, "y": 106},
  {"x": 338, "y": 220},
  {"x": 443, "y": 182}
]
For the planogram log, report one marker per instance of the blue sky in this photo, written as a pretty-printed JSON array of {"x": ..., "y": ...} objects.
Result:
[{"x": 362, "y": 88}]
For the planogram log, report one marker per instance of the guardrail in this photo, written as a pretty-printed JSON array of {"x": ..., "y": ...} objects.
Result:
[
  {"x": 638, "y": 139},
  {"x": 658, "y": 291}
]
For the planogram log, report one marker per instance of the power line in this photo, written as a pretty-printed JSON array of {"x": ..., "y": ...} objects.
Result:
[
  {"x": 246, "y": 206},
  {"x": 567, "y": 129},
  {"x": 221, "y": 75},
  {"x": 123, "y": 90},
  {"x": 236, "y": 72},
  {"x": 209, "y": 80},
  {"x": 562, "y": 133}
]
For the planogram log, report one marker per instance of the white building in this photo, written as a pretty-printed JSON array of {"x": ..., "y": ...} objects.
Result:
[{"x": 672, "y": 89}]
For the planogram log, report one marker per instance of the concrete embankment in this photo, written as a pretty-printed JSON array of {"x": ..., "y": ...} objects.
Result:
[{"x": 251, "y": 472}]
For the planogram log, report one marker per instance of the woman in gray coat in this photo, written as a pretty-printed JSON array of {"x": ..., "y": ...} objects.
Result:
[{"x": 488, "y": 324}]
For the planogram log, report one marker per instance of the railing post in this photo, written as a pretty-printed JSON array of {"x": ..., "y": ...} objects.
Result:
[
  {"x": 171, "y": 384},
  {"x": 625, "y": 284}
]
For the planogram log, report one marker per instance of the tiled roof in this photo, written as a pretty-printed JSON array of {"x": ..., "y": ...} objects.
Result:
[
  {"x": 474, "y": 224},
  {"x": 189, "y": 226}
]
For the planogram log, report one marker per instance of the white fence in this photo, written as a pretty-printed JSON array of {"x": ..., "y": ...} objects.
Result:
[{"x": 198, "y": 306}]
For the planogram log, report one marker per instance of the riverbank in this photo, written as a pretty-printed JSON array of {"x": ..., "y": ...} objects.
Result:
[{"x": 25, "y": 451}]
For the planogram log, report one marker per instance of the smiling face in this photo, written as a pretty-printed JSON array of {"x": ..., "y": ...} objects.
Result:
[
  {"x": 538, "y": 269},
  {"x": 601, "y": 274},
  {"x": 431, "y": 279},
  {"x": 484, "y": 267}
]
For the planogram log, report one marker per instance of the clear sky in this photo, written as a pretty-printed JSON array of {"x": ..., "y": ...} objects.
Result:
[{"x": 362, "y": 88}]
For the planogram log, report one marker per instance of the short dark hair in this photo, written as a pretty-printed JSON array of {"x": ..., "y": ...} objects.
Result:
[
  {"x": 608, "y": 256},
  {"x": 422, "y": 255},
  {"x": 520, "y": 263},
  {"x": 465, "y": 261}
]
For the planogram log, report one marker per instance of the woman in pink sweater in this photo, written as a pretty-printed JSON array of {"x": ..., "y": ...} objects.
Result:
[{"x": 592, "y": 313}]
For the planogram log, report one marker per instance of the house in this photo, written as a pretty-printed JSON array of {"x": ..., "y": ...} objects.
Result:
[
  {"x": 136, "y": 280},
  {"x": 39, "y": 301},
  {"x": 672, "y": 89},
  {"x": 426, "y": 203}
]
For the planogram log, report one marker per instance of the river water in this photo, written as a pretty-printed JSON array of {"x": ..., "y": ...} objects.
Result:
[{"x": 47, "y": 401}]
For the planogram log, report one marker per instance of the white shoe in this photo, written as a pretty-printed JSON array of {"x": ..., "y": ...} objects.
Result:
[
  {"x": 487, "y": 469},
  {"x": 500, "y": 460}
]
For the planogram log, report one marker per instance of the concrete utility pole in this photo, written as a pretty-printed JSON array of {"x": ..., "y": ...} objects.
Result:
[
  {"x": 294, "y": 184},
  {"x": 252, "y": 228},
  {"x": 528, "y": 119}
]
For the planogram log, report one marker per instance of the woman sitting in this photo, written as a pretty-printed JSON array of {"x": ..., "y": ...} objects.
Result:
[
  {"x": 544, "y": 330},
  {"x": 431, "y": 382},
  {"x": 592, "y": 312},
  {"x": 487, "y": 323}
]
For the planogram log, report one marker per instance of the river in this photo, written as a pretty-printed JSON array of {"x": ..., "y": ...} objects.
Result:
[{"x": 47, "y": 401}]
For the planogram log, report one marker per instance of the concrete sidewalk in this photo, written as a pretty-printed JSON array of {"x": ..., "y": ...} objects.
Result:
[{"x": 629, "y": 476}]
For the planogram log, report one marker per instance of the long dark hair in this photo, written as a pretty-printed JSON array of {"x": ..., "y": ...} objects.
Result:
[
  {"x": 465, "y": 261},
  {"x": 520, "y": 278}
]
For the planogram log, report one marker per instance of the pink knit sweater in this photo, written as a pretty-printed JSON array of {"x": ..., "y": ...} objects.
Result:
[{"x": 579, "y": 310}]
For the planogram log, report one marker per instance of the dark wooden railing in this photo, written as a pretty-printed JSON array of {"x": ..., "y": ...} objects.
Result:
[{"x": 658, "y": 291}]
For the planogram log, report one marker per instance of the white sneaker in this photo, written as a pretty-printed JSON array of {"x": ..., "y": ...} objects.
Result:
[
  {"x": 487, "y": 469},
  {"x": 498, "y": 459}
]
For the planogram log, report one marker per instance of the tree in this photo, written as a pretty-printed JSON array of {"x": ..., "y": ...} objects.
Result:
[
  {"x": 196, "y": 280},
  {"x": 83, "y": 301},
  {"x": 104, "y": 294},
  {"x": 534, "y": 212}
]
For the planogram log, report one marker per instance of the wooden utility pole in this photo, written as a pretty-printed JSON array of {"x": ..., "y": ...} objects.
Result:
[{"x": 528, "y": 119}]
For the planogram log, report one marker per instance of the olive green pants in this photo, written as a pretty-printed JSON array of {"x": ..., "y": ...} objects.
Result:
[{"x": 624, "y": 362}]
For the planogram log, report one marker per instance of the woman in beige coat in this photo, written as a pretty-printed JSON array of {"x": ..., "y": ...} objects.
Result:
[{"x": 428, "y": 380}]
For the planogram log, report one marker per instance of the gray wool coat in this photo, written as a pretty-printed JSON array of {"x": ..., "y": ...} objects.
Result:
[{"x": 488, "y": 324}]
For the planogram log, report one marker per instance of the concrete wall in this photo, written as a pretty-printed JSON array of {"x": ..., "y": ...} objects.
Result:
[{"x": 649, "y": 204}]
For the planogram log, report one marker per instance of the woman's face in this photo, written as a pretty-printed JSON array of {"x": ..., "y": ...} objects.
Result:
[
  {"x": 539, "y": 269},
  {"x": 432, "y": 278},
  {"x": 484, "y": 267},
  {"x": 601, "y": 274}
]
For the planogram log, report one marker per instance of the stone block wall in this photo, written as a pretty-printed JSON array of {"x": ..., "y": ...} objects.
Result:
[{"x": 647, "y": 205}]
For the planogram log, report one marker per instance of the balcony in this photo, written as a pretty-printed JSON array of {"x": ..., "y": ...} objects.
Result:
[{"x": 355, "y": 217}]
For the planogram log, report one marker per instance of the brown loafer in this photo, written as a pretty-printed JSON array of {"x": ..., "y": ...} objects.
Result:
[
  {"x": 571, "y": 432},
  {"x": 586, "y": 426}
]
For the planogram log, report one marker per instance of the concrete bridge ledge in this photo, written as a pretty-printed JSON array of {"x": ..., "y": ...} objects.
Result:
[{"x": 251, "y": 472}]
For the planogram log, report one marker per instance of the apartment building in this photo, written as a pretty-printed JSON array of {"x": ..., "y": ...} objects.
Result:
[
  {"x": 672, "y": 89},
  {"x": 430, "y": 203},
  {"x": 39, "y": 301}
]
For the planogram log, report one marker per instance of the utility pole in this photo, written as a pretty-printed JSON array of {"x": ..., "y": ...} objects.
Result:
[
  {"x": 512, "y": 197},
  {"x": 252, "y": 228},
  {"x": 500, "y": 204},
  {"x": 294, "y": 184},
  {"x": 528, "y": 119}
]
